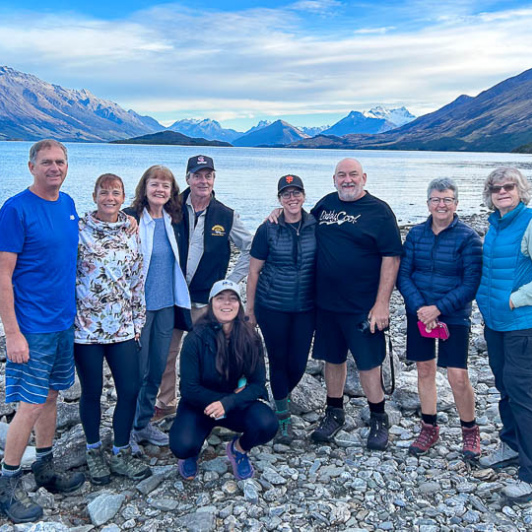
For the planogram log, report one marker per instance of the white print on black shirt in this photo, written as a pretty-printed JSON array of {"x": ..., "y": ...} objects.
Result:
[{"x": 338, "y": 218}]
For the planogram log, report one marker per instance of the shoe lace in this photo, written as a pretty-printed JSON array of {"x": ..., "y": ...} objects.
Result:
[
  {"x": 18, "y": 493},
  {"x": 329, "y": 422},
  {"x": 471, "y": 438},
  {"x": 425, "y": 436}
]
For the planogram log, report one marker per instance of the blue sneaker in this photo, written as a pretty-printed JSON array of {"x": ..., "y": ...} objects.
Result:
[
  {"x": 242, "y": 467},
  {"x": 188, "y": 468}
]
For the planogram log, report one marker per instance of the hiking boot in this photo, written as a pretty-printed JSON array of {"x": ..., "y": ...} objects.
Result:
[
  {"x": 242, "y": 467},
  {"x": 330, "y": 424},
  {"x": 99, "y": 473},
  {"x": 285, "y": 434},
  {"x": 518, "y": 492},
  {"x": 503, "y": 456},
  {"x": 151, "y": 434},
  {"x": 163, "y": 413},
  {"x": 428, "y": 436},
  {"x": 15, "y": 503},
  {"x": 125, "y": 464},
  {"x": 471, "y": 442},
  {"x": 378, "y": 432},
  {"x": 188, "y": 468},
  {"x": 46, "y": 476}
]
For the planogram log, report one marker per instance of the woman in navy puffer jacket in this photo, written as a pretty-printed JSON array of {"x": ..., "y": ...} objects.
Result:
[{"x": 438, "y": 278}]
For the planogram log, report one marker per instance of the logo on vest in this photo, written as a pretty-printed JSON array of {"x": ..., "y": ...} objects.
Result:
[
  {"x": 218, "y": 230},
  {"x": 337, "y": 218}
]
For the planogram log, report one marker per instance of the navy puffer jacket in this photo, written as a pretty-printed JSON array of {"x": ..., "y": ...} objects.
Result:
[{"x": 442, "y": 270}]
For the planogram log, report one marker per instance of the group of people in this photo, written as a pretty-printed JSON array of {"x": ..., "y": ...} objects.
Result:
[{"x": 125, "y": 285}]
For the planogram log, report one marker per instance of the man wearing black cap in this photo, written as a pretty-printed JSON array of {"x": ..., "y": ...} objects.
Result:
[{"x": 210, "y": 228}]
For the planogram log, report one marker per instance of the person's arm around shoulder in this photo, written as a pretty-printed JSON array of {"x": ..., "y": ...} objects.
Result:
[
  {"x": 241, "y": 238},
  {"x": 16, "y": 344},
  {"x": 255, "y": 266},
  {"x": 522, "y": 297}
]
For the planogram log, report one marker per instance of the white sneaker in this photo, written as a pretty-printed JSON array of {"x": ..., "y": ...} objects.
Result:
[
  {"x": 503, "y": 456},
  {"x": 151, "y": 435},
  {"x": 521, "y": 491}
]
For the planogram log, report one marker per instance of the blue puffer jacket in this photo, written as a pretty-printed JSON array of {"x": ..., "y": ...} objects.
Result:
[
  {"x": 442, "y": 270},
  {"x": 505, "y": 269}
]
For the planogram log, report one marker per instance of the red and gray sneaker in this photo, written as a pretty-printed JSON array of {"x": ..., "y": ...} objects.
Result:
[
  {"x": 471, "y": 442},
  {"x": 427, "y": 438}
]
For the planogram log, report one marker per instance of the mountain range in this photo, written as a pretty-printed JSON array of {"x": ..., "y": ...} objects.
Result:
[
  {"x": 31, "y": 109},
  {"x": 499, "y": 119}
]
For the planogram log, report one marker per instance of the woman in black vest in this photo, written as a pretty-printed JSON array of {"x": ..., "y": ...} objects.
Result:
[
  {"x": 222, "y": 382},
  {"x": 280, "y": 294}
]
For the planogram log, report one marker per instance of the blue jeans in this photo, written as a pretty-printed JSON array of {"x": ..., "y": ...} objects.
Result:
[
  {"x": 155, "y": 340},
  {"x": 510, "y": 358}
]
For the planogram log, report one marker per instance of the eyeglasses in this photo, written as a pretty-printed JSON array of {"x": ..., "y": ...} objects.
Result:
[
  {"x": 495, "y": 189},
  {"x": 290, "y": 193},
  {"x": 437, "y": 201}
]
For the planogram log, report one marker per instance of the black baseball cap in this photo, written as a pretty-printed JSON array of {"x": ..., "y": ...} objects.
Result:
[
  {"x": 199, "y": 162},
  {"x": 290, "y": 180}
]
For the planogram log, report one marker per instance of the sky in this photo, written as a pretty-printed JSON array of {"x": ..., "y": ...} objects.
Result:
[{"x": 309, "y": 62}]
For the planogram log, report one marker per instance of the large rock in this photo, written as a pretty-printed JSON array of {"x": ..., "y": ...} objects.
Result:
[
  {"x": 308, "y": 396},
  {"x": 74, "y": 392},
  {"x": 407, "y": 397},
  {"x": 67, "y": 415},
  {"x": 104, "y": 507}
]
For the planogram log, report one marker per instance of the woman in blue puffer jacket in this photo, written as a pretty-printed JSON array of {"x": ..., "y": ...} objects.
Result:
[
  {"x": 505, "y": 300},
  {"x": 438, "y": 278}
]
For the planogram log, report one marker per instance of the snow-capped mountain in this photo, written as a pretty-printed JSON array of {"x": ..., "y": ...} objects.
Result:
[
  {"x": 398, "y": 116},
  {"x": 204, "y": 128}
]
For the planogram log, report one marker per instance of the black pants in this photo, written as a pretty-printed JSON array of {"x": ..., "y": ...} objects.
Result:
[
  {"x": 191, "y": 427},
  {"x": 122, "y": 358},
  {"x": 287, "y": 336},
  {"x": 510, "y": 357}
]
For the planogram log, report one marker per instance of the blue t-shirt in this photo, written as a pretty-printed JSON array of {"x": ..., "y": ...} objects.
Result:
[
  {"x": 44, "y": 234},
  {"x": 159, "y": 287}
]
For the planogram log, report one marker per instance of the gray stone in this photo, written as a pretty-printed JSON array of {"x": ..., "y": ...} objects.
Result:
[
  {"x": 73, "y": 393},
  {"x": 406, "y": 392},
  {"x": 273, "y": 477},
  {"x": 163, "y": 503},
  {"x": 203, "y": 520},
  {"x": 251, "y": 493},
  {"x": 428, "y": 488},
  {"x": 308, "y": 396},
  {"x": 67, "y": 415},
  {"x": 218, "y": 465},
  {"x": 149, "y": 484},
  {"x": 104, "y": 507}
]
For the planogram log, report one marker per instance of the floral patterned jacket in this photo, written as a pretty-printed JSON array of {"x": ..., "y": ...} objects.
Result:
[{"x": 109, "y": 284}]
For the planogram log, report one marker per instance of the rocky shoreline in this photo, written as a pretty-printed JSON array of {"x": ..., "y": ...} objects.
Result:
[{"x": 341, "y": 486}]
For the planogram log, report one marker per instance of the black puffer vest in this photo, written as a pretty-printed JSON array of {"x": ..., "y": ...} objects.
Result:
[
  {"x": 216, "y": 247},
  {"x": 286, "y": 281}
]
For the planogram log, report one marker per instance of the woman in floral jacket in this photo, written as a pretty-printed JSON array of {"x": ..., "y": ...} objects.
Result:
[{"x": 110, "y": 316}]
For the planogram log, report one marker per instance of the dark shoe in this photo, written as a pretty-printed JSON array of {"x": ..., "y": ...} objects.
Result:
[
  {"x": 46, "y": 476},
  {"x": 99, "y": 473},
  {"x": 15, "y": 503},
  {"x": 125, "y": 464},
  {"x": 285, "y": 434},
  {"x": 426, "y": 439},
  {"x": 471, "y": 442},
  {"x": 503, "y": 456},
  {"x": 378, "y": 432},
  {"x": 331, "y": 423},
  {"x": 242, "y": 467},
  {"x": 188, "y": 468}
]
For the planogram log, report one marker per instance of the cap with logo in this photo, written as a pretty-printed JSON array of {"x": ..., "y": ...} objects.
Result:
[
  {"x": 224, "y": 284},
  {"x": 199, "y": 162},
  {"x": 290, "y": 180}
]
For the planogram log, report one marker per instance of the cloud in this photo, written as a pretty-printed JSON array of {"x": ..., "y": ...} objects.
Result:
[{"x": 169, "y": 61}]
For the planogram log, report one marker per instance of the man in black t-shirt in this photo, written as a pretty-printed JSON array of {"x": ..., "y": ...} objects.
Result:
[{"x": 358, "y": 255}]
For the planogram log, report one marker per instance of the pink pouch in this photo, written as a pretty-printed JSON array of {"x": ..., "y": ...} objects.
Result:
[{"x": 441, "y": 331}]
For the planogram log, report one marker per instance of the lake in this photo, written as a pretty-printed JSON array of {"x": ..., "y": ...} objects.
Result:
[{"x": 247, "y": 177}]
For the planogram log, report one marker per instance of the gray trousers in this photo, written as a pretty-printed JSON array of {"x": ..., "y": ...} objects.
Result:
[{"x": 155, "y": 340}]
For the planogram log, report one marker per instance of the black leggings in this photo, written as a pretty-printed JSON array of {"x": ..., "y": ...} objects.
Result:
[
  {"x": 191, "y": 427},
  {"x": 287, "y": 336},
  {"x": 122, "y": 358}
]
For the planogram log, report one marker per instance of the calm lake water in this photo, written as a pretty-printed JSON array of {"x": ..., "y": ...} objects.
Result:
[{"x": 247, "y": 177}]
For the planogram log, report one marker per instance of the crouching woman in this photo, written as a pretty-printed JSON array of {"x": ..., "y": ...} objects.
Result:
[{"x": 222, "y": 383}]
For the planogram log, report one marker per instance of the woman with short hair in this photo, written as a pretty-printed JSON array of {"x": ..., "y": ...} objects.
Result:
[
  {"x": 222, "y": 383},
  {"x": 505, "y": 300},
  {"x": 438, "y": 279},
  {"x": 110, "y": 316}
]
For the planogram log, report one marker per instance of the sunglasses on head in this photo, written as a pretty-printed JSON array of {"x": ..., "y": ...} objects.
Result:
[{"x": 495, "y": 189}]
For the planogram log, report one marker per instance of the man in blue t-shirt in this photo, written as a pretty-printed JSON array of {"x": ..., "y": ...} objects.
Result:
[
  {"x": 38, "y": 249},
  {"x": 358, "y": 255}
]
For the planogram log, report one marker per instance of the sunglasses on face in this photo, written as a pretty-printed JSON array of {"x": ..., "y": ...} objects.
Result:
[{"x": 495, "y": 189}]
